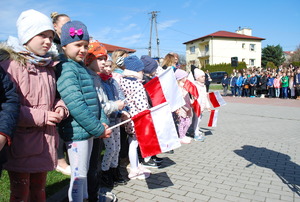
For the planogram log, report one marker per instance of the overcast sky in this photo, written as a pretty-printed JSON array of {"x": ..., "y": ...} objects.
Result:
[{"x": 127, "y": 23}]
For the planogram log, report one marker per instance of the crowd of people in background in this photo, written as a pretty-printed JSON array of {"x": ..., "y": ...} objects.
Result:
[{"x": 283, "y": 82}]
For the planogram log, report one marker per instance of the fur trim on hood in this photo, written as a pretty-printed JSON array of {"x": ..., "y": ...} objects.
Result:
[{"x": 7, "y": 53}]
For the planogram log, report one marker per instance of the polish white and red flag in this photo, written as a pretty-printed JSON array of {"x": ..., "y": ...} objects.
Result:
[
  {"x": 164, "y": 88},
  {"x": 155, "y": 130},
  {"x": 216, "y": 99},
  {"x": 192, "y": 89},
  {"x": 213, "y": 118}
]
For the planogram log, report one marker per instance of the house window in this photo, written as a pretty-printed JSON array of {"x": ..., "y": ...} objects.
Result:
[
  {"x": 192, "y": 49},
  {"x": 252, "y": 62},
  {"x": 252, "y": 47},
  {"x": 206, "y": 61},
  {"x": 206, "y": 48},
  {"x": 243, "y": 60},
  {"x": 243, "y": 45}
]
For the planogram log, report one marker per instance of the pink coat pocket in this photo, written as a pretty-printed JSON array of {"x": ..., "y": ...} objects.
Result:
[{"x": 27, "y": 142}]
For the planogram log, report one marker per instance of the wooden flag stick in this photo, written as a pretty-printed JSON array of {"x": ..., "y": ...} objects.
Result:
[
  {"x": 119, "y": 124},
  {"x": 126, "y": 121}
]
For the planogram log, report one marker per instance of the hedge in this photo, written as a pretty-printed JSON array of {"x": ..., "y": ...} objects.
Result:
[
  {"x": 224, "y": 67},
  {"x": 296, "y": 64}
]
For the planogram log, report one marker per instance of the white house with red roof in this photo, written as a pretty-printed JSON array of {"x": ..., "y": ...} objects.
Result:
[
  {"x": 288, "y": 55},
  {"x": 221, "y": 46}
]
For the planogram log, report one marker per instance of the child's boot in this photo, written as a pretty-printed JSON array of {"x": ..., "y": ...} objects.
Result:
[
  {"x": 117, "y": 176},
  {"x": 107, "y": 179}
]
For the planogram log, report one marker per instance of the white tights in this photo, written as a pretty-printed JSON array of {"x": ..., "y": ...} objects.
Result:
[
  {"x": 133, "y": 155},
  {"x": 79, "y": 155}
]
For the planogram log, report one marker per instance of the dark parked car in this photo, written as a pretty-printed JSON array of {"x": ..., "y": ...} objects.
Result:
[{"x": 217, "y": 77}]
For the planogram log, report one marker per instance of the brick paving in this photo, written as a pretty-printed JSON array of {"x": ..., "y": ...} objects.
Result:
[{"x": 252, "y": 155}]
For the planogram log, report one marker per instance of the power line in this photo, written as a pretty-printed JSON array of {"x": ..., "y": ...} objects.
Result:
[
  {"x": 153, "y": 19},
  {"x": 179, "y": 31},
  {"x": 172, "y": 50},
  {"x": 139, "y": 48}
]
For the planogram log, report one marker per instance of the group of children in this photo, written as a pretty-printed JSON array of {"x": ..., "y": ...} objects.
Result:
[
  {"x": 273, "y": 83},
  {"x": 78, "y": 97}
]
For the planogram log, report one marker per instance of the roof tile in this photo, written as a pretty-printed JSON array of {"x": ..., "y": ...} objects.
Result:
[{"x": 111, "y": 48}]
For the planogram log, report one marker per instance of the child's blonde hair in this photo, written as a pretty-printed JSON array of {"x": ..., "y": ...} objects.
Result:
[
  {"x": 117, "y": 54},
  {"x": 169, "y": 60}
]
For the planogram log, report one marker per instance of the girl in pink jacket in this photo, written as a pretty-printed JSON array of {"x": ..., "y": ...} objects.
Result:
[
  {"x": 185, "y": 112},
  {"x": 33, "y": 149},
  {"x": 277, "y": 85}
]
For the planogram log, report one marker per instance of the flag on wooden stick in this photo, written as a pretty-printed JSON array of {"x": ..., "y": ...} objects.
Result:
[
  {"x": 155, "y": 130},
  {"x": 192, "y": 89},
  {"x": 164, "y": 88},
  {"x": 216, "y": 99}
]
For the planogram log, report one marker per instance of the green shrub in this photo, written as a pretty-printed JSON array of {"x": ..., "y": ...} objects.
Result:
[
  {"x": 296, "y": 64},
  {"x": 224, "y": 67},
  {"x": 271, "y": 65}
]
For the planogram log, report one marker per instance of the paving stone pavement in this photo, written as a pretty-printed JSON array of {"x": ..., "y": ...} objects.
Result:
[{"x": 252, "y": 155}]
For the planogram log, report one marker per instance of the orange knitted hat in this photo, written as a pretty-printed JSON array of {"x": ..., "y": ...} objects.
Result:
[{"x": 96, "y": 50}]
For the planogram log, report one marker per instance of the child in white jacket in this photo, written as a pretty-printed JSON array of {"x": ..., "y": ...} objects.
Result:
[{"x": 202, "y": 100}]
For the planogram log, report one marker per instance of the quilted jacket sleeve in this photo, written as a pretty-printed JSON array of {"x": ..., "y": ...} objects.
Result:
[{"x": 104, "y": 118}]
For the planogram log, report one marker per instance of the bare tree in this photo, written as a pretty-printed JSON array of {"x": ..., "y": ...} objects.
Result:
[
  {"x": 182, "y": 59},
  {"x": 295, "y": 57}
]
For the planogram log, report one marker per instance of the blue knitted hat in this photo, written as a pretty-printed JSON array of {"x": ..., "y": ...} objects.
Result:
[
  {"x": 133, "y": 63},
  {"x": 149, "y": 63},
  {"x": 73, "y": 31}
]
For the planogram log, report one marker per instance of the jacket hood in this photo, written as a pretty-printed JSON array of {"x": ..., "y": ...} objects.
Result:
[{"x": 7, "y": 53}]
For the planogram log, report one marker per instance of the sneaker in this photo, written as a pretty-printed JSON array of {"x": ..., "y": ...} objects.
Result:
[
  {"x": 157, "y": 159},
  {"x": 106, "y": 196},
  {"x": 170, "y": 152},
  {"x": 117, "y": 177},
  {"x": 185, "y": 140},
  {"x": 200, "y": 132},
  {"x": 200, "y": 138},
  {"x": 65, "y": 171},
  {"x": 137, "y": 174},
  {"x": 151, "y": 164},
  {"x": 143, "y": 169}
]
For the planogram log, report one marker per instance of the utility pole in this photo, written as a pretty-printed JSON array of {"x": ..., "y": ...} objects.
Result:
[{"x": 153, "y": 19}]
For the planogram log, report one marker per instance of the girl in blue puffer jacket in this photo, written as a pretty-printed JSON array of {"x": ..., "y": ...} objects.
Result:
[{"x": 87, "y": 119}]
